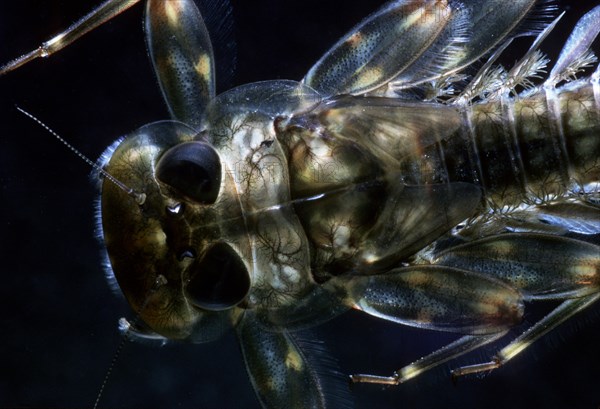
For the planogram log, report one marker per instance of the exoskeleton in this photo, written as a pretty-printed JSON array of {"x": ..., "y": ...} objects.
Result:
[{"x": 408, "y": 175}]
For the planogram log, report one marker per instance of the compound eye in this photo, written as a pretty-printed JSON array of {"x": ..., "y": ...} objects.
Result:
[
  {"x": 220, "y": 280},
  {"x": 192, "y": 169}
]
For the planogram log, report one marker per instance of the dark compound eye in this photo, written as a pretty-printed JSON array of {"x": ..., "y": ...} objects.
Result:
[
  {"x": 220, "y": 280},
  {"x": 192, "y": 169}
]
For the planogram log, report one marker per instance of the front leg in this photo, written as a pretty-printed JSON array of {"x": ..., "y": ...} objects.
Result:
[
  {"x": 182, "y": 57},
  {"x": 281, "y": 375},
  {"x": 101, "y": 14}
]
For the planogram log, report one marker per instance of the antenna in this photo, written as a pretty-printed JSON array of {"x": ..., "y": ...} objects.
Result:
[{"x": 140, "y": 198}]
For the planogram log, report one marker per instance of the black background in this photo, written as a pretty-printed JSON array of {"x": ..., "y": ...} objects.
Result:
[{"x": 58, "y": 315}]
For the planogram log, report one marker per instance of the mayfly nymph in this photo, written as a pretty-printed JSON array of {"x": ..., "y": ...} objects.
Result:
[{"x": 408, "y": 175}]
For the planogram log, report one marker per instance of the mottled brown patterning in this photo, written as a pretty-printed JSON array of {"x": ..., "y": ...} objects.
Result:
[{"x": 408, "y": 175}]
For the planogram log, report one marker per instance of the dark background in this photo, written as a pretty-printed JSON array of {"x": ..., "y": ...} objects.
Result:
[{"x": 58, "y": 315}]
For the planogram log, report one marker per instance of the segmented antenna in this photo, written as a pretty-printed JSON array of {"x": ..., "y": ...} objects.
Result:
[
  {"x": 139, "y": 197},
  {"x": 129, "y": 332}
]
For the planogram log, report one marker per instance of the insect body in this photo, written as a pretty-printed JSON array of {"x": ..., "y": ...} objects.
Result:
[{"x": 369, "y": 185}]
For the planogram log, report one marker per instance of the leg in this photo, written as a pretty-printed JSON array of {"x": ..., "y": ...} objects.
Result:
[
  {"x": 182, "y": 57},
  {"x": 280, "y": 372},
  {"x": 96, "y": 17},
  {"x": 563, "y": 312},
  {"x": 459, "y": 347},
  {"x": 438, "y": 298}
]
